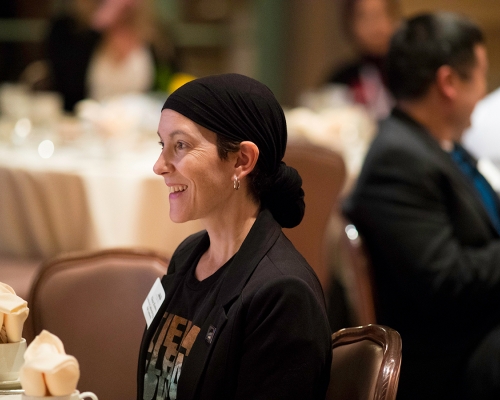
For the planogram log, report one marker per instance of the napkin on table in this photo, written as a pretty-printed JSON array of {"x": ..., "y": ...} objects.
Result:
[
  {"x": 47, "y": 369},
  {"x": 13, "y": 314}
]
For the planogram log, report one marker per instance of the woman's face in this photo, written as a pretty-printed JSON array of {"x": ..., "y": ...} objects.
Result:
[
  {"x": 200, "y": 183},
  {"x": 372, "y": 26}
]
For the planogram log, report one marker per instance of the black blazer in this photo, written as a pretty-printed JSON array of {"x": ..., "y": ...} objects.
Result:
[
  {"x": 435, "y": 252},
  {"x": 272, "y": 337}
]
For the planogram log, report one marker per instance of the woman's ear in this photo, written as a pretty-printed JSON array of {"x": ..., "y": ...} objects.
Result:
[{"x": 247, "y": 157}]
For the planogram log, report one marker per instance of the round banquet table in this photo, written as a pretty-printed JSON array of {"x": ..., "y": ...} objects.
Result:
[{"x": 84, "y": 199}]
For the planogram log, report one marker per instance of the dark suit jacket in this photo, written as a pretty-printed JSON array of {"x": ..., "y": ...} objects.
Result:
[
  {"x": 435, "y": 252},
  {"x": 272, "y": 337}
]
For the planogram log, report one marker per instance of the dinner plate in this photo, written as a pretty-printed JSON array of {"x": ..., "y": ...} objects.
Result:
[
  {"x": 7, "y": 385},
  {"x": 10, "y": 395},
  {"x": 11, "y": 392}
]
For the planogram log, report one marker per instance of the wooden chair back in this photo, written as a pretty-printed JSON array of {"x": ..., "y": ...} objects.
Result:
[
  {"x": 366, "y": 363},
  {"x": 323, "y": 175}
]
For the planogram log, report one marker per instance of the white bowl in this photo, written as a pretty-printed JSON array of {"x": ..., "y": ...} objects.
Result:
[{"x": 11, "y": 360}]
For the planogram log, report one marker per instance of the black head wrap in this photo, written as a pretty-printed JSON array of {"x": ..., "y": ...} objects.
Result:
[{"x": 240, "y": 108}]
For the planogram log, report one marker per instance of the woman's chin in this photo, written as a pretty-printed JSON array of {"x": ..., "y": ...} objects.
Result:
[{"x": 179, "y": 218}]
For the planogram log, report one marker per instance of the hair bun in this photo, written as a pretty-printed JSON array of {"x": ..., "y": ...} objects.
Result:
[{"x": 285, "y": 197}]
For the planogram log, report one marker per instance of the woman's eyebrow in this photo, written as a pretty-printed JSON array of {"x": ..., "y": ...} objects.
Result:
[{"x": 174, "y": 133}]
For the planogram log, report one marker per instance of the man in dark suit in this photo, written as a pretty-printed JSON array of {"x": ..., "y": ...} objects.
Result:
[{"x": 430, "y": 220}]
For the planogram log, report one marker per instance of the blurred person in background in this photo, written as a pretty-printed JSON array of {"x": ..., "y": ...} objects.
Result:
[
  {"x": 430, "y": 220},
  {"x": 102, "y": 48},
  {"x": 368, "y": 25}
]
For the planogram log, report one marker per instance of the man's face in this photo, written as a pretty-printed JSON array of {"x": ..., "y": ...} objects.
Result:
[{"x": 471, "y": 90}]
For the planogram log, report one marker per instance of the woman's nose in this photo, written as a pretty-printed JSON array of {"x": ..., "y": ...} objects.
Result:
[{"x": 161, "y": 165}]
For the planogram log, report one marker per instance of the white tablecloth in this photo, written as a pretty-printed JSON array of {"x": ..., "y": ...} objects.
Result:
[{"x": 76, "y": 200}]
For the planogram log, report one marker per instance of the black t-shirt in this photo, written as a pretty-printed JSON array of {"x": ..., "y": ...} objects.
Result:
[{"x": 177, "y": 331}]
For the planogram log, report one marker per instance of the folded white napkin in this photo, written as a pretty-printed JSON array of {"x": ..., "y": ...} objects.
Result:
[
  {"x": 47, "y": 369},
  {"x": 13, "y": 314}
]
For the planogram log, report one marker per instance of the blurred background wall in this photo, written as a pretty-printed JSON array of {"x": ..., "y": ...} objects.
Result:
[{"x": 291, "y": 45}]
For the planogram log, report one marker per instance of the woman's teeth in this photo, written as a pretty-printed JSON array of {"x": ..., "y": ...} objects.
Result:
[{"x": 179, "y": 188}]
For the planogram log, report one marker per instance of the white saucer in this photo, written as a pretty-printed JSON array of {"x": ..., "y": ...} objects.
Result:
[{"x": 6, "y": 385}]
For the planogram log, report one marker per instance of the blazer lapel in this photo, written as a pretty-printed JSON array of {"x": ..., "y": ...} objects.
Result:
[
  {"x": 170, "y": 282},
  {"x": 195, "y": 364},
  {"x": 264, "y": 233},
  {"x": 467, "y": 190}
]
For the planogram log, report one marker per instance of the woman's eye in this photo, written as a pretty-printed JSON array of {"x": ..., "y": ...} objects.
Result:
[
  {"x": 180, "y": 145},
  {"x": 161, "y": 144}
]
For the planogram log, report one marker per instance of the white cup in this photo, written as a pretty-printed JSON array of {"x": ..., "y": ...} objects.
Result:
[
  {"x": 11, "y": 360},
  {"x": 76, "y": 395}
]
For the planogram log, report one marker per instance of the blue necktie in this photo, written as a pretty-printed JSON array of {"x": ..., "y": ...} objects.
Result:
[{"x": 467, "y": 165}]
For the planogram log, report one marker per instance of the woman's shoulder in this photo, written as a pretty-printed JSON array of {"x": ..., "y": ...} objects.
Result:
[
  {"x": 287, "y": 260},
  {"x": 283, "y": 267}
]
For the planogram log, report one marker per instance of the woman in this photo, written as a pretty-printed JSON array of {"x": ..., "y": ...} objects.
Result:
[
  {"x": 103, "y": 48},
  {"x": 369, "y": 25},
  {"x": 244, "y": 314}
]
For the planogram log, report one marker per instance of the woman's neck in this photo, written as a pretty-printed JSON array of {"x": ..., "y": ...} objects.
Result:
[{"x": 227, "y": 234}]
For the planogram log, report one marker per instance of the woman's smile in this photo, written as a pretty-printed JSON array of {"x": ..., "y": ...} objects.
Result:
[
  {"x": 177, "y": 188},
  {"x": 176, "y": 191}
]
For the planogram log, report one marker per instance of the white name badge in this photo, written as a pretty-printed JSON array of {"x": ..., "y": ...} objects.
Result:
[{"x": 153, "y": 302}]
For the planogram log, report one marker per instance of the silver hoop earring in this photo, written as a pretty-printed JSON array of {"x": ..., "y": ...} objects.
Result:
[{"x": 236, "y": 183}]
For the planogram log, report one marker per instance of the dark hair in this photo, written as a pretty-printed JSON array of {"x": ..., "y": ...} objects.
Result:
[{"x": 425, "y": 43}]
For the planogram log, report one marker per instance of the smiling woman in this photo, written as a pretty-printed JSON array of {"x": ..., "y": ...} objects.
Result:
[
  {"x": 199, "y": 180},
  {"x": 244, "y": 314}
]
